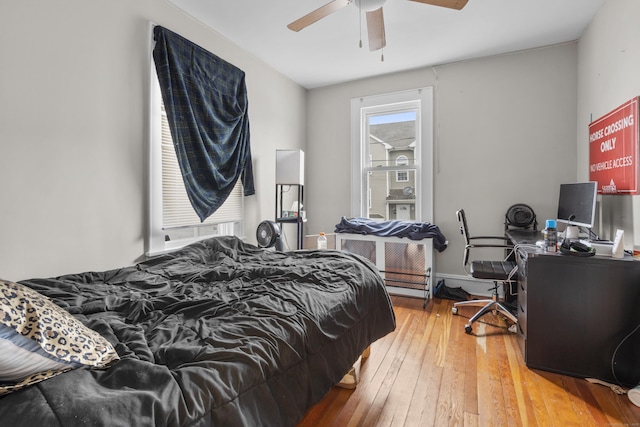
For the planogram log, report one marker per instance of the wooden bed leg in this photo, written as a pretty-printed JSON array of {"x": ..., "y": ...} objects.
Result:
[
  {"x": 366, "y": 353},
  {"x": 350, "y": 379}
]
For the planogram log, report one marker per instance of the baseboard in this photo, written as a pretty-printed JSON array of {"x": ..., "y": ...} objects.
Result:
[
  {"x": 477, "y": 287},
  {"x": 406, "y": 292}
]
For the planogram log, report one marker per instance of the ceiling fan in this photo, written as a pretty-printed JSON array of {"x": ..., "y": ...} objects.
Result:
[{"x": 375, "y": 19}]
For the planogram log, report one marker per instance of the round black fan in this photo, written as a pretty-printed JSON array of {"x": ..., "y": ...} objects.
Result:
[
  {"x": 520, "y": 215},
  {"x": 268, "y": 235}
]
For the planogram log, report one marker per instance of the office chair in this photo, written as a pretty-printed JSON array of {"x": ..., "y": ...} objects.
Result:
[{"x": 500, "y": 272}]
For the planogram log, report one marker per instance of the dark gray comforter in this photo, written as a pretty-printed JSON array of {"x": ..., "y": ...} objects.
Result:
[{"x": 219, "y": 333}]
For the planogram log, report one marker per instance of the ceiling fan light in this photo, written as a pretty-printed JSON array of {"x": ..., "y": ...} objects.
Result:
[{"x": 369, "y": 5}]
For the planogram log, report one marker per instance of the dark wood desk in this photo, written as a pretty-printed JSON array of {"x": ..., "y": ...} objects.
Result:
[{"x": 573, "y": 312}]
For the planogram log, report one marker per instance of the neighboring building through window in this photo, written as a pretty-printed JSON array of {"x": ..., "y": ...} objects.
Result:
[{"x": 393, "y": 133}]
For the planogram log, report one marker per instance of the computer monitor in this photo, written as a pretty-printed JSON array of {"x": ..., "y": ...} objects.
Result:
[{"x": 577, "y": 204}]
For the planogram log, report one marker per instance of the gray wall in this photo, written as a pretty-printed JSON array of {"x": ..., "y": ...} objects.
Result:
[
  {"x": 509, "y": 129},
  {"x": 608, "y": 76},
  {"x": 73, "y": 102},
  {"x": 504, "y": 133}
]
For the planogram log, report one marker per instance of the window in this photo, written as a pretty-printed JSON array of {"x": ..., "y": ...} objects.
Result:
[
  {"x": 172, "y": 221},
  {"x": 392, "y": 140},
  {"x": 402, "y": 175}
]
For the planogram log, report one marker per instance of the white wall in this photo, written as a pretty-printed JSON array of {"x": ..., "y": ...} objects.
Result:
[
  {"x": 73, "y": 93},
  {"x": 608, "y": 76},
  {"x": 505, "y": 133},
  {"x": 73, "y": 89}
]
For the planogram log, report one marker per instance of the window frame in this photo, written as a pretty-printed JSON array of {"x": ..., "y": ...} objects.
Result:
[{"x": 419, "y": 100}]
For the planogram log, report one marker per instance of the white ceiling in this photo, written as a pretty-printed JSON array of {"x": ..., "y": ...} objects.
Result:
[{"x": 418, "y": 35}]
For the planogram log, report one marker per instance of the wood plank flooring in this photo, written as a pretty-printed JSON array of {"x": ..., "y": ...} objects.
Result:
[{"x": 428, "y": 372}]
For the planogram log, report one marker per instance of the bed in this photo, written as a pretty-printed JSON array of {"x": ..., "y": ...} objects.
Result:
[{"x": 218, "y": 333}]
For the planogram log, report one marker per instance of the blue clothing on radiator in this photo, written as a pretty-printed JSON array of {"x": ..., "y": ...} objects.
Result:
[{"x": 411, "y": 230}]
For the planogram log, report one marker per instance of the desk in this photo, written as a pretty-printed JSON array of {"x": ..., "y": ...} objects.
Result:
[{"x": 574, "y": 311}]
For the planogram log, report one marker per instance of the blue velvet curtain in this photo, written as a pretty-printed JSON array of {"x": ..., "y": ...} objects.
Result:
[{"x": 207, "y": 109}]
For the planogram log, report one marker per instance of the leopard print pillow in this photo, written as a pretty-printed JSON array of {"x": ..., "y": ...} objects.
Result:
[{"x": 62, "y": 337}]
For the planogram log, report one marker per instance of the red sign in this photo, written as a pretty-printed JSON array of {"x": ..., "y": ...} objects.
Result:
[{"x": 613, "y": 150}]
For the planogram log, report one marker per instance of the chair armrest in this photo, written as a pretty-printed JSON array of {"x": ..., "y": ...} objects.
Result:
[
  {"x": 511, "y": 249},
  {"x": 488, "y": 245},
  {"x": 503, "y": 238}
]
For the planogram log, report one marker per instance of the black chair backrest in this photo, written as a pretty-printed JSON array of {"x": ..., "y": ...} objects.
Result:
[{"x": 464, "y": 230}]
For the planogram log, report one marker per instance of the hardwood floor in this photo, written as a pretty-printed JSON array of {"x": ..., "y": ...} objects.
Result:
[{"x": 428, "y": 372}]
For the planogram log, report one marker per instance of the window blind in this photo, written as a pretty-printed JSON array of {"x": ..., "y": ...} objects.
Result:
[{"x": 176, "y": 207}]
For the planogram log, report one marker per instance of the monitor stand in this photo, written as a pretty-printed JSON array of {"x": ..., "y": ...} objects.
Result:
[{"x": 572, "y": 232}]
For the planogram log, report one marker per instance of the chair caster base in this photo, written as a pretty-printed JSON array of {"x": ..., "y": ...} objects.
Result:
[
  {"x": 468, "y": 330},
  {"x": 454, "y": 310}
]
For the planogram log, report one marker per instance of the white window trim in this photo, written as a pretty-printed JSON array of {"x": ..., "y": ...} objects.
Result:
[
  {"x": 422, "y": 100},
  {"x": 154, "y": 243}
]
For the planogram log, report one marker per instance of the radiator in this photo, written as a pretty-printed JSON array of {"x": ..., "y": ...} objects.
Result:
[{"x": 405, "y": 265}]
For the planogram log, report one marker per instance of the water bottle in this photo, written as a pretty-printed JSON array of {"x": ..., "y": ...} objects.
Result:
[
  {"x": 550, "y": 236},
  {"x": 322, "y": 241}
]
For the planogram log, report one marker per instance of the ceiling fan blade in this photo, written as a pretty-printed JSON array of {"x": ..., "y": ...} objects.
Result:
[
  {"x": 318, "y": 14},
  {"x": 451, "y": 4},
  {"x": 375, "y": 29}
]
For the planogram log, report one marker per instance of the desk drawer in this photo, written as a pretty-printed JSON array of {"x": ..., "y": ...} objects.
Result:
[
  {"x": 522, "y": 293},
  {"x": 522, "y": 317},
  {"x": 522, "y": 285}
]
